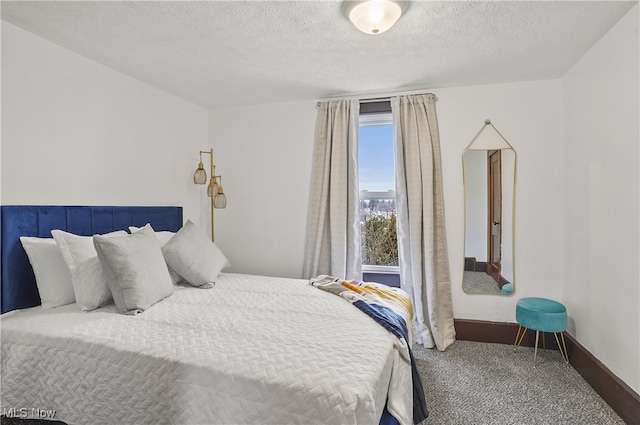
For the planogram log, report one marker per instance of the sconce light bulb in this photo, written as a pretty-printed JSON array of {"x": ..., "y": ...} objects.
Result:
[
  {"x": 220, "y": 201},
  {"x": 212, "y": 190},
  {"x": 200, "y": 176}
]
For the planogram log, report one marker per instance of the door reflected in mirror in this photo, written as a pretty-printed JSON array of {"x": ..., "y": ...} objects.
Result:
[{"x": 489, "y": 182}]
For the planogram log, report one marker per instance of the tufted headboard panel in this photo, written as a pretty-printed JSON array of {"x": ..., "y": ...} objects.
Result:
[{"x": 18, "y": 283}]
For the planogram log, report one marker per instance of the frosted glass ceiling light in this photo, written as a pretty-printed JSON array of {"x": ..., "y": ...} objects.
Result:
[{"x": 373, "y": 16}]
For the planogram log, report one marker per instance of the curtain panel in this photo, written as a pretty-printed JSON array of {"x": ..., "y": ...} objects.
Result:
[
  {"x": 422, "y": 244},
  {"x": 333, "y": 231}
]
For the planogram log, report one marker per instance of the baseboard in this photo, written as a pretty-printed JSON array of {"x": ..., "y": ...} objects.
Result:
[{"x": 622, "y": 398}]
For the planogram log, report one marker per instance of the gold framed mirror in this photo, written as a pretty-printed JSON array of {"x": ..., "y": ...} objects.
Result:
[{"x": 489, "y": 176}]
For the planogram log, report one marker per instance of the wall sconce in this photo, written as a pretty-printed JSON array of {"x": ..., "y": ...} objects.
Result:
[
  {"x": 373, "y": 16},
  {"x": 214, "y": 190}
]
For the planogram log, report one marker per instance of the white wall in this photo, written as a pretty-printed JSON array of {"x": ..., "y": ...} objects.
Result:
[
  {"x": 75, "y": 132},
  {"x": 475, "y": 186},
  {"x": 508, "y": 159},
  {"x": 264, "y": 154},
  {"x": 529, "y": 116},
  {"x": 602, "y": 281}
]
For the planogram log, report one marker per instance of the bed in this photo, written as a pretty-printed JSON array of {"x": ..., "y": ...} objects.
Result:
[{"x": 252, "y": 349}]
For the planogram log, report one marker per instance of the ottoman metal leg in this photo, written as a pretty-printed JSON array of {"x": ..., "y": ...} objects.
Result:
[
  {"x": 535, "y": 352},
  {"x": 519, "y": 337},
  {"x": 563, "y": 347}
]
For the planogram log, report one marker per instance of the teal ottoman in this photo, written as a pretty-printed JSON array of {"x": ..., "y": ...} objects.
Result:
[
  {"x": 507, "y": 288},
  {"x": 541, "y": 315}
]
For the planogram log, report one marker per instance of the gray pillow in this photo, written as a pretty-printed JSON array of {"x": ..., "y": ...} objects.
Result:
[
  {"x": 90, "y": 285},
  {"x": 136, "y": 271},
  {"x": 163, "y": 238},
  {"x": 192, "y": 255}
]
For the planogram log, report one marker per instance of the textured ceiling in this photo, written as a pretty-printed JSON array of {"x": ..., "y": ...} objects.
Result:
[{"x": 226, "y": 53}]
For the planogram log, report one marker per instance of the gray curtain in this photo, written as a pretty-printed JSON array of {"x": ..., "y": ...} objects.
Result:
[
  {"x": 422, "y": 243},
  {"x": 333, "y": 231}
]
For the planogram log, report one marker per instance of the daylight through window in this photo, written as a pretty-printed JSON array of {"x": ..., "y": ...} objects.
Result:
[{"x": 377, "y": 193}]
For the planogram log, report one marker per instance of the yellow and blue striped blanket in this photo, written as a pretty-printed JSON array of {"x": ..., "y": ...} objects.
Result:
[{"x": 391, "y": 308}]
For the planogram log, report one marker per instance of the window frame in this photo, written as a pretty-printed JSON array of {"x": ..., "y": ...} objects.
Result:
[{"x": 373, "y": 114}]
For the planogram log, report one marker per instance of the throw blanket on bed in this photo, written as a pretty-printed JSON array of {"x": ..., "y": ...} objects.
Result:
[{"x": 391, "y": 308}]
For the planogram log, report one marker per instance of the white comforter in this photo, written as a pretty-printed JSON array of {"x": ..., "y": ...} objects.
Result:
[{"x": 251, "y": 350}]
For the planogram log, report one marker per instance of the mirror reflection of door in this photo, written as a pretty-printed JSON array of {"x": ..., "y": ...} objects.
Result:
[
  {"x": 489, "y": 182},
  {"x": 494, "y": 226}
]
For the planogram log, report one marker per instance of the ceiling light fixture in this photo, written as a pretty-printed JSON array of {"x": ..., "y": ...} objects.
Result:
[{"x": 373, "y": 16}]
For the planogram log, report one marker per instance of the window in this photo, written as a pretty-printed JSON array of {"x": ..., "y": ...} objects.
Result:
[{"x": 376, "y": 179}]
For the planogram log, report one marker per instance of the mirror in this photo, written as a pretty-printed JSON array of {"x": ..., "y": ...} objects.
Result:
[{"x": 489, "y": 170}]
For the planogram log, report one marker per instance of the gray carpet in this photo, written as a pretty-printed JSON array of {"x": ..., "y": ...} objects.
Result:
[
  {"x": 479, "y": 282},
  {"x": 479, "y": 383}
]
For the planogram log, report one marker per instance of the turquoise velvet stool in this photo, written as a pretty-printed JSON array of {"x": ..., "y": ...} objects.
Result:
[
  {"x": 507, "y": 288},
  {"x": 541, "y": 315}
]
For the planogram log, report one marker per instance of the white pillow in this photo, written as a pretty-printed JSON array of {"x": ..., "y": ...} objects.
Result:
[
  {"x": 90, "y": 284},
  {"x": 194, "y": 256},
  {"x": 137, "y": 274},
  {"x": 52, "y": 275},
  {"x": 163, "y": 238}
]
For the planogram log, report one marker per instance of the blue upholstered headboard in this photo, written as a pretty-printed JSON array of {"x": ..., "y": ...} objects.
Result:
[{"x": 18, "y": 283}]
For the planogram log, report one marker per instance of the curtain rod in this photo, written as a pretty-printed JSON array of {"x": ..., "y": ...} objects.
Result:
[{"x": 375, "y": 98}]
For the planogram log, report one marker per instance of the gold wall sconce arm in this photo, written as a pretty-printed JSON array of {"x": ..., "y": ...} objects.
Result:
[{"x": 214, "y": 190}]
